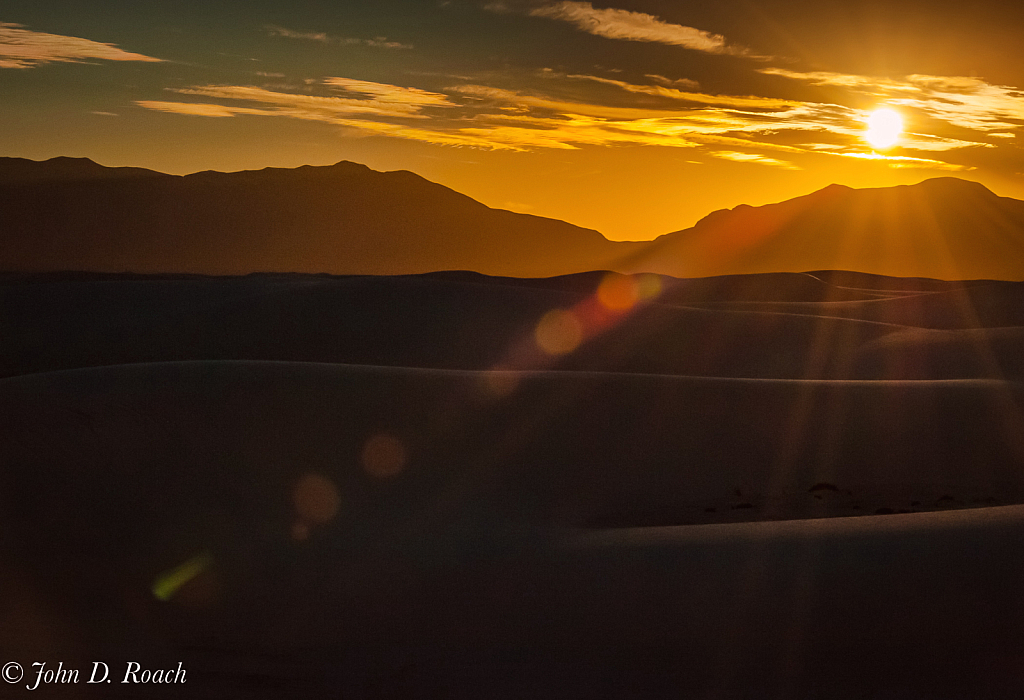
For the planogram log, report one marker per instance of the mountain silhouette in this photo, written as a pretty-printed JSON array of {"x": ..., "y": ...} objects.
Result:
[
  {"x": 943, "y": 228},
  {"x": 73, "y": 214},
  {"x": 64, "y": 169}
]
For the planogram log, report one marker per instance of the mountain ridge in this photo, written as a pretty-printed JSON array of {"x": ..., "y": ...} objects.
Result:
[
  {"x": 944, "y": 227},
  {"x": 65, "y": 168},
  {"x": 835, "y": 188},
  {"x": 339, "y": 219},
  {"x": 346, "y": 218}
]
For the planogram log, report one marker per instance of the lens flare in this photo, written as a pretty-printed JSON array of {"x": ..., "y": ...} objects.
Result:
[
  {"x": 648, "y": 286},
  {"x": 559, "y": 332},
  {"x": 499, "y": 382},
  {"x": 316, "y": 499},
  {"x": 383, "y": 456},
  {"x": 170, "y": 582},
  {"x": 618, "y": 292}
]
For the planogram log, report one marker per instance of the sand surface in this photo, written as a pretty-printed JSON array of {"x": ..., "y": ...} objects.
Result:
[{"x": 374, "y": 493}]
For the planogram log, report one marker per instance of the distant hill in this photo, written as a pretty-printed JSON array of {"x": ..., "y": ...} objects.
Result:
[
  {"x": 941, "y": 228},
  {"x": 22, "y": 171},
  {"x": 72, "y": 214}
]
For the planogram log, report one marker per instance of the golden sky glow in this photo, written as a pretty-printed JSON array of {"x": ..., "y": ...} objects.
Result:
[{"x": 575, "y": 110}]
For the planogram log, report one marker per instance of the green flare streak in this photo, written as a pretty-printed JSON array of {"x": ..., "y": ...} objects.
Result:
[{"x": 168, "y": 583}]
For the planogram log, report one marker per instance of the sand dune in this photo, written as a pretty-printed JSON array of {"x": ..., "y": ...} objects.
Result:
[
  {"x": 978, "y": 305},
  {"x": 483, "y": 564},
  {"x": 470, "y": 321},
  {"x": 313, "y": 486},
  {"x": 560, "y": 448},
  {"x": 897, "y": 606}
]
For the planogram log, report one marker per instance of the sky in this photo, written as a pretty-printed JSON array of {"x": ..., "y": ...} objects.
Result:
[{"x": 635, "y": 118}]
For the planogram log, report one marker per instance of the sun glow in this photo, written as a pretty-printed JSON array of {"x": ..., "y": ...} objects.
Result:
[{"x": 884, "y": 128}]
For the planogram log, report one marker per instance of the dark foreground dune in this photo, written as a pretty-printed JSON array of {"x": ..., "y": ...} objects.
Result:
[
  {"x": 381, "y": 487},
  {"x": 785, "y": 326},
  {"x": 503, "y": 556}
]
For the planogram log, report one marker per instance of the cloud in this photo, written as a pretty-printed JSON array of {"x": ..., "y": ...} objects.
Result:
[
  {"x": 737, "y": 157},
  {"x": 366, "y": 115},
  {"x": 684, "y": 83},
  {"x": 635, "y": 26},
  {"x": 331, "y": 116},
  {"x": 510, "y": 100},
  {"x": 906, "y": 161},
  {"x": 672, "y": 93},
  {"x": 968, "y": 103},
  {"x": 391, "y": 94},
  {"x": 863, "y": 82},
  {"x": 197, "y": 109},
  {"x": 292, "y": 34},
  {"x": 380, "y": 42},
  {"x": 462, "y": 137},
  {"x": 487, "y": 117},
  {"x": 523, "y": 132},
  {"x": 365, "y": 103},
  {"x": 24, "y": 48},
  {"x": 371, "y": 99},
  {"x": 774, "y": 125},
  {"x": 927, "y": 142}
]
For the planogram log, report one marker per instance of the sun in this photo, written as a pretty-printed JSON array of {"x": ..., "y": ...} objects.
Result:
[{"x": 884, "y": 128}]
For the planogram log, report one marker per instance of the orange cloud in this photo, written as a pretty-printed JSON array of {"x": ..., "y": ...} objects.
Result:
[
  {"x": 379, "y": 99},
  {"x": 24, "y": 48},
  {"x": 635, "y": 26},
  {"x": 572, "y": 131},
  {"x": 511, "y": 98},
  {"x": 193, "y": 108},
  {"x": 969, "y": 103},
  {"x": 376, "y": 101},
  {"x": 383, "y": 93},
  {"x": 460, "y": 137},
  {"x": 906, "y": 161},
  {"x": 675, "y": 94},
  {"x": 479, "y": 116},
  {"x": 754, "y": 158},
  {"x": 841, "y": 80}
]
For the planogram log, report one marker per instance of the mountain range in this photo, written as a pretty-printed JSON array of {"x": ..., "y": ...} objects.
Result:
[
  {"x": 943, "y": 228},
  {"x": 73, "y": 214}
]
